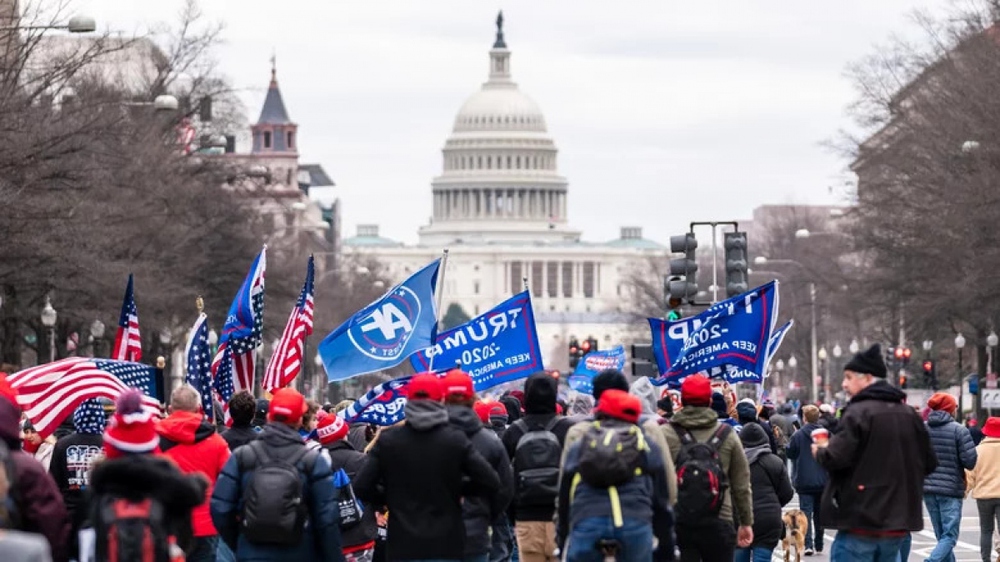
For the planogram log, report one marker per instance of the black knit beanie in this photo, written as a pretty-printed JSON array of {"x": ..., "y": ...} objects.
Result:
[
  {"x": 611, "y": 378},
  {"x": 868, "y": 362}
]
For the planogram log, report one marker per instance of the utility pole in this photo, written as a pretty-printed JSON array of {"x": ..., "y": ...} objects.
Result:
[{"x": 812, "y": 342}]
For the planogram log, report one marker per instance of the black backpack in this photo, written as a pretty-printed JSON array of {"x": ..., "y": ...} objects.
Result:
[
  {"x": 129, "y": 529},
  {"x": 701, "y": 481},
  {"x": 274, "y": 509},
  {"x": 537, "y": 457},
  {"x": 611, "y": 454}
]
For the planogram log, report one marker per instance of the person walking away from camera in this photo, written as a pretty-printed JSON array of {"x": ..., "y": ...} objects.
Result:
[
  {"x": 877, "y": 462},
  {"x": 275, "y": 499},
  {"x": 242, "y": 409},
  {"x": 808, "y": 477},
  {"x": 613, "y": 492},
  {"x": 772, "y": 490},
  {"x": 420, "y": 471},
  {"x": 357, "y": 542},
  {"x": 983, "y": 484},
  {"x": 189, "y": 439},
  {"x": 73, "y": 458},
  {"x": 701, "y": 445},
  {"x": 944, "y": 489}
]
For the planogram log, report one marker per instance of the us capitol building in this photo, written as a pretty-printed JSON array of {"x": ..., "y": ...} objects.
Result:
[{"x": 500, "y": 207}]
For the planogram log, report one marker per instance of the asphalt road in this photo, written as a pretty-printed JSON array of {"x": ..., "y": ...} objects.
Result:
[{"x": 923, "y": 542}]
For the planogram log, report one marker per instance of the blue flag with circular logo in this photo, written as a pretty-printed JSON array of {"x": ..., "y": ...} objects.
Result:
[{"x": 387, "y": 331}]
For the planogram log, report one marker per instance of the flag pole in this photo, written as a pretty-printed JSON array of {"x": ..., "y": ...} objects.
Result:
[
  {"x": 524, "y": 281},
  {"x": 199, "y": 303},
  {"x": 440, "y": 297}
]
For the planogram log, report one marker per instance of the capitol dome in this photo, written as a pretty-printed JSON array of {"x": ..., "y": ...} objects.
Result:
[{"x": 499, "y": 179}]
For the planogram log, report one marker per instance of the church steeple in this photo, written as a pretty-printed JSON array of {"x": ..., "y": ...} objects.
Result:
[{"x": 274, "y": 132}]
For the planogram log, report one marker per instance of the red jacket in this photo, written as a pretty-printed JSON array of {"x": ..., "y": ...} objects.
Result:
[{"x": 190, "y": 440}]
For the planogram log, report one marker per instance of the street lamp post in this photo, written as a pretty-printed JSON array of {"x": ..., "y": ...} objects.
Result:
[
  {"x": 162, "y": 386},
  {"x": 854, "y": 348},
  {"x": 319, "y": 380},
  {"x": 792, "y": 364},
  {"x": 959, "y": 345},
  {"x": 49, "y": 317},
  {"x": 96, "y": 335},
  {"x": 822, "y": 355},
  {"x": 76, "y": 24}
]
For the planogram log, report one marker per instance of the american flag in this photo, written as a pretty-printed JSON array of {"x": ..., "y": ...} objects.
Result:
[
  {"x": 49, "y": 393},
  {"x": 128, "y": 345},
  {"x": 286, "y": 361},
  {"x": 242, "y": 334},
  {"x": 199, "y": 363}
]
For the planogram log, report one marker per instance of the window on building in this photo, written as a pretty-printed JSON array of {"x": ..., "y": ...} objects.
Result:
[
  {"x": 567, "y": 278},
  {"x": 509, "y": 167},
  {"x": 288, "y": 177},
  {"x": 537, "y": 270},
  {"x": 291, "y": 140},
  {"x": 588, "y": 279},
  {"x": 267, "y": 139},
  {"x": 516, "y": 275},
  {"x": 552, "y": 268},
  {"x": 517, "y": 163},
  {"x": 475, "y": 287},
  {"x": 479, "y": 164},
  {"x": 489, "y": 162}
]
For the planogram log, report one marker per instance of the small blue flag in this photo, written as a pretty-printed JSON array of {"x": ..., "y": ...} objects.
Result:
[
  {"x": 387, "y": 331},
  {"x": 199, "y": 363},
  {"x": 582, "y": 379}
]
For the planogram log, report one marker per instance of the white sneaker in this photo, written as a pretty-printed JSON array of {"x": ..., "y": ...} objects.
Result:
[{"x": 808, "y": 552}]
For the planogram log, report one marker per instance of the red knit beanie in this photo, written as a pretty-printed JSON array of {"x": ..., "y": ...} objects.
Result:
[
  {"x": 331, "y": 429},
  {"x": 131, "y": 430}
]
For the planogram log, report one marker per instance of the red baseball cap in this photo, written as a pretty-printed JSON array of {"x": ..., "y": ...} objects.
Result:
[
  {"x": 425, "y": 386},
  {"x": 458, "y": 384},
  {"x": 696, "y": 390},
  {"x": 620, "y": 405},
  {"x": 289, "y": 403}
]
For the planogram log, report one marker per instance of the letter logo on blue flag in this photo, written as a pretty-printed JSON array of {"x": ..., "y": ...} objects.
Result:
[
  {"x": 496, "y": 347},
  {"x": 582, "y": 379},
  {"x": 382, "y": 405},
  {"x": 732, "y": 336},
  {"x": 385, "y": 332}
]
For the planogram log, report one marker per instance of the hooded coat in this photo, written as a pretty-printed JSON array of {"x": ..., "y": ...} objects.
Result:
[
  {"x": 772, "y": 489},
  {"x": 321, "y": 537},
  {"x": 190, "y": 440},
  {"x": 877, "y": 462},
  {"x": 955, "y": 452},
  {"x": 480, "y": 512},
  {"x": 344, "y": 457},
  {"x": 539, "y": 409},
  {"x": 239, "y": 435},
  {"x": 72, "y": 459},
  {"x": 150, "y": 476},
  {"x": 41, "y": 507},
  {"x": 808, "y": 476},
  {"x": 417, "y": 471}
]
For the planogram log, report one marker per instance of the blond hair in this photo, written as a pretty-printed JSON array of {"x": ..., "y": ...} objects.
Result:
[{"x": 810, "y": 413}]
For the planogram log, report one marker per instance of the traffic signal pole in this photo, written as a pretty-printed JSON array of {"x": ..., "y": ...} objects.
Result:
[{"x": 715, "y": 251}]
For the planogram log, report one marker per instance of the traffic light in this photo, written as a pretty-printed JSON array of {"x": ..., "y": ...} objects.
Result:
[
  {"x": 591, "y": 344},
  {"x": 902, "y": 381},
  {"x": 685, "y": 287},
  {"x": 930, "y": 374},
  {"x": 735, "y": 244},
  {"x": 574, "y": 353}
]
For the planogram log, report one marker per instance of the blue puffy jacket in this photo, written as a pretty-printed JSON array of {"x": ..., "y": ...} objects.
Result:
[
  {"x": 321, "y": 538},
  {"x": 808, "y": 476},
  {"x": 955, "y": 451}
]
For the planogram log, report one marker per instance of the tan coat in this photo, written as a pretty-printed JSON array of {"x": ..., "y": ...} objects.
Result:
[{"x": 983, "y": 482}]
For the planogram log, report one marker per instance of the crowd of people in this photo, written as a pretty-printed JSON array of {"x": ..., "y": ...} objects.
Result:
[{"x": 532, "y": 475}]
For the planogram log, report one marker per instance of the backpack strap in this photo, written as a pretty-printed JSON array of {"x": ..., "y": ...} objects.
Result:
[
  {"x": 550, "y": 427},
  {"x": 720, "y": 435},
  {"x": 682, "y": 433}
]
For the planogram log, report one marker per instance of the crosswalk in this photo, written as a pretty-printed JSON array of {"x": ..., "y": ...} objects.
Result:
[{"x": 923, "y": 543}]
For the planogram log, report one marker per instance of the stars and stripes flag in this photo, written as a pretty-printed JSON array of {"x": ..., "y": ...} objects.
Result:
[
  {"x": 128, "y": 345},
  {"x": 286, "y": 361},
  {"x": 199, "y": 363},
  {"x": 50, "y": 393},
  {"x": 234, "y": 362}
]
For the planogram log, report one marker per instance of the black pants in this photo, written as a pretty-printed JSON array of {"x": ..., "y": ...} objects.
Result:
[
  {"x": 989, "y": 514},
  {"x": 710, "y": 542}
]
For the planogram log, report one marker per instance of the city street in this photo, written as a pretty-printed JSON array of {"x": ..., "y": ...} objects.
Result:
[{"x": 924, "y": 541}]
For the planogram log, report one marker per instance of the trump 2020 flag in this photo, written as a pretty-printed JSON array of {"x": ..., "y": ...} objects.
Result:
[
  {"x": 496, "y": 347},
  {"x": 582, "y": 379},
  {"x": 387, "y": 331},
  {"x": 382, "y": 405},
  {"x": 731, "y": 335}
]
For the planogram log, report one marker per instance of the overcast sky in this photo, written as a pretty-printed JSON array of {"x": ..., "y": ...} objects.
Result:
[{"x": 663, "y": 112}]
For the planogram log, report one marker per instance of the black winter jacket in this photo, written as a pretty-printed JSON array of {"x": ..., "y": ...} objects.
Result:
[
  {"x": 772, "y": 489},
  {"x": 344, "y": 456},
  {"x": 808, "y": 476},
  {"x": 877, "y": 462},
  {"x": 237, "y": 436},
  {"x": 480, "y": 512},
  {"x": 417, "y": 471},
  {"x": 72, "y": 459},
  {"x": 955, "y": 452}
]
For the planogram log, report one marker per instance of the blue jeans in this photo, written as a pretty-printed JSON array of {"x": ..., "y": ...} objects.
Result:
[
  {"x": 754, "y": 554},
  {"x": 224, "y": 554},
  {"x": 848, "y": 547},
  {"x": 809, "y": 504},
  {"x": 946, "y": 517},
  {"x": 502, "y": 542},
  {"x": 635, "y": 538},
  {"x": 904, "y": 548}
]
